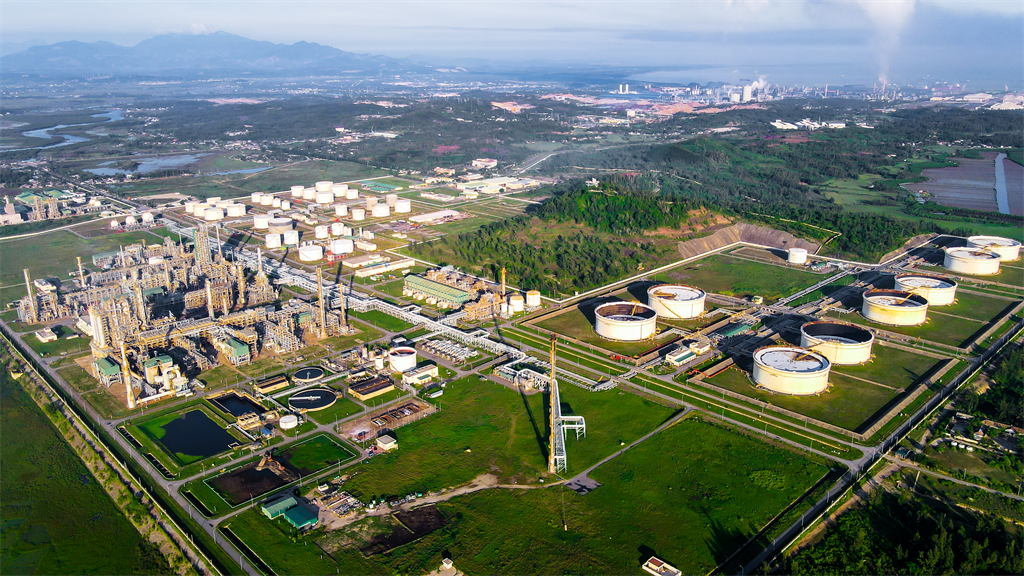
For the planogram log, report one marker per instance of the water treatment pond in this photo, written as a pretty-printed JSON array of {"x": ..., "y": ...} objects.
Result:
[
  {"x": 195, "y": 434},
  {"x": 237, "y": 405}
]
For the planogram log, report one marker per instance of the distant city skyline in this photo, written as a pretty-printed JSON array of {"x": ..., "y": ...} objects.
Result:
[{"x": 855, "y": 41}]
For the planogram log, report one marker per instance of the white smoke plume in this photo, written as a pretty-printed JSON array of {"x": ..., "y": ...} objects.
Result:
[
  {"x": 888, "y": 18},
  {"x": 759, "y": 84}
]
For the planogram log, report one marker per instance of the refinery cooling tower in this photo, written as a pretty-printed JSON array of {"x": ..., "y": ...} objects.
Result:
[
  {"x": 791, "y": 370},
  {"x": 625, "y": 321},
  {"x": 841, "y": 342},
  {"x": 972, "y": 261},
  {"x": 936, "y": 290},
  {"x": 676, "y": 301},
  {"x": 895, "y": 307},
  {"x": 1008, "y": 250}
]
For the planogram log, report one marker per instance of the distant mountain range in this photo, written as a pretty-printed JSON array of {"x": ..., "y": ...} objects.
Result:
[{"x": 190, "y": 55}]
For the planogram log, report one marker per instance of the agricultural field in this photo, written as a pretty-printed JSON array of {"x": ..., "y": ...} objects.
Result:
[
  {"x": 722, "y": 274},
  {"x": 57, "y": 518}
]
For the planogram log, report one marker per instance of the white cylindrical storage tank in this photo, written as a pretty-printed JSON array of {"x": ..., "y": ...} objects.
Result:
[
  {"x": 371, "y": 201},
  {"x": 358, "y": 214},
  {"x": 130, "y": 221},
  {"x": 380, "y": 211},
  {"x": 390, "y": 200},
  {"x": 309, "y": 194},
  {"x": 311, "y": 253},
  {"x": 276, "y": 202},
  {"x": 403, "y": 206},
  {"x": 147, "y": 217},
  {"x": 190, "y": 207},
  {"x": 842, "y": 343},
  {"x": 676, "y": 301},
  {"x": 339, "y": 190},
  {"x": 351, "y": 194},
  {"x": 297, "y": 191},
  {"x": 936, "y": 290},
  {"x": 213, "y": 213},
  {"x": 261, "y": 221},
  {"x": 224, "y": 203},
  {"x": 291, "y": 238},
  {"x": 324, "y": 197},
  {"x": 797, "y": 256},
  {"x": 114, "y": 224},
  {"x": 791, "y": 370},
  {"x": 972, "y": 261},
  {"x": 895, "y": 307},
  {"x": 341, "y": 210},
  {"x": 625, "y": 321},
  {"x": 533, "y": 298},
  {"x": 266, "y": 200},
  {"x": 1008, "y": 250},
  {"x": 516, "y": 303},
  {"x": 288, "y": 421},
  {"x": 273, "y": 240},
  {"x": 503, "y": 307},
  {"x": 213, "y": 199},
  {"x": 286, "y": 204},
  {"x": 337, "y": 229},
  {"x": 323, "y": 186},
  {"x": 280, "y": 225},
  {"x": 255, "y": 197},
  {"x": 342, "y": 246},
  {"x": 402, "y": 358},
  {"x": 378, "y": 362},
  {"x": 236, "y": 210},
  {"x": 321, "y": 232}
]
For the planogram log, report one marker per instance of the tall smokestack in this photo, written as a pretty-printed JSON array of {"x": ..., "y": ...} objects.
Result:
[
  {"x": 33, "y": 312},
  {"x": 127, "y": 375},
  {"x": 81, "y": 275}
]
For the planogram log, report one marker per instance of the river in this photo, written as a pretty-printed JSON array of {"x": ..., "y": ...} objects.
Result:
[
  {"x": 1002, "y": 197},
  {"x": 46, "y": 133}
]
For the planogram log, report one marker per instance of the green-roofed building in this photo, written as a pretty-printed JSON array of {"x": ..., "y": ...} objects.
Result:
[
  {"x": 432, "y": 289},
  {"x": 58, "y": 194},
  {"x": 275, "y": 508},
  {"x": 236, "y": 351},
  {"x": 304, "y": 318},
  {"x": 300, "y": 518},
  {"x": 29, "y": 198},
  {"x": 154, "y": 291},
  {"x": 107, "y": 372}
]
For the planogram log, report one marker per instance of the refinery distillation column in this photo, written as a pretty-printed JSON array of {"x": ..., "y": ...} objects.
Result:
[
  {"x": 32, "y": 310},
  {"x": 553, "y": 396}
]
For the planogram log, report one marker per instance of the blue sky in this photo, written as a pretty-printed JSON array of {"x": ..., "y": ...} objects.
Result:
[{"x": 903, "y": 40}]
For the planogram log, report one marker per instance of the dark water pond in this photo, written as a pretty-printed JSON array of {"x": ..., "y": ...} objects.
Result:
[{"x": 195, "y": 434}]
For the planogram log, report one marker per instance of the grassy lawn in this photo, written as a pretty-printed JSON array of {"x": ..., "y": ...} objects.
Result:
[
  {"x": 691, "y": 495},
  {"x": 339, "y": 343},
  {"x": 577, "y": 323},
  {"x": 53, "y": 254},
  {"x": 975, "y": 306},
  {"x": 56, "y": 518},
  {"x": 384, "y": 398},
  {"x": 62, "y": 346},
  {"x": 741, "y": 278},
  {"x": 937, "y": 328},
  {"x": 848, "y": 404},
  {"x": 315, "y": 454},
  {"x": 340, "y": 410},
  {"x": 381, "y": 320},
  {"x": 955, "y": 462},
  {"x": 78, "y": 378},
  {"x": 891, "y": 367},
  {"x": 220, "y": 377},
  {"x": 263, "y": 367}
]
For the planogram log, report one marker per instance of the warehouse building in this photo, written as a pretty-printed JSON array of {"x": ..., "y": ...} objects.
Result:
[
  {"x": 371, "y": 388},
  {"x": 420, "y": 287}
]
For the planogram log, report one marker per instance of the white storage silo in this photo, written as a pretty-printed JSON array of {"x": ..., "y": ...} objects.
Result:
[
  {"x": 358, "y": 214},
  {"x": 342, "y": 246},
  {"x": 337, "y": 229},
  {"x": 324, "y": 196},
  {"x": 895, "y": 307},
  {"x": 516, "y": 303},
  {"x": 351, "y": 194},
  {"x": 371, "y": 201},
  {"x": 339, "y": 190},
  {"x": 1008, "y": 250},
  {"x": 286, "y": 204},
  {"x": 190, "y": 207},
  {"x": 533, "y": 298},
  {"x": 224, "y": 203},
  {"x": 261, "y": 221},
  {"x": 390, "y": 200},
  {"x": 266, "y": 200},
  {"x": 380, "y": 211},
  {"x": 147, "y": 217},
  {"x": 323, "y": 186},
  {"x": 321, "y": 232},
  {"x": 276, "y": 202},
  {"x": 937, "y": 290},
  {"x": 297, "y": 191},
  {"x": 273, "y": 240},
  {"x": 213, "y": 199},
  {"x": 403, "y": 206},
  {"x": 236, "y": 210},
  {"x": 114, "y": 225},
  {"x": 676, "y": 301},
  {"x": 280, "y": 225},
  {"x": 797, "y": 256},
  {"x": 291, "y": 238},
  {"x": 311, "y": 253},
  {"x": 212, "y": 214},
  {"x": 842, "y": 343},
  {"x": 973, "y": 261},
  {"x": 341, "y": 210},
  {"x": 255, "y": 197},
  {"x": 309, "y": 194},
  {"x": 791, "y": 370}
]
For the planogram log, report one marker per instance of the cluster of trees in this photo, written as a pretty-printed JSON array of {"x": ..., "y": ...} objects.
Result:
[
  {"x": 614, "y": 208},
  {"x": 896, "y": 534},
  {"x": 12, "y": 178},
  {"x": 1004, "y": 399}
]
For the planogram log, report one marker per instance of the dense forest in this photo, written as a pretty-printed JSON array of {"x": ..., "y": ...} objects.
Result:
[
  {"x": 1004, "y": 400},
  {"x": 897, "y": 534}
]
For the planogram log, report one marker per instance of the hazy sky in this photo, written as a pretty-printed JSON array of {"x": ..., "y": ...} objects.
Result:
[{"x": 852, "y": 39}]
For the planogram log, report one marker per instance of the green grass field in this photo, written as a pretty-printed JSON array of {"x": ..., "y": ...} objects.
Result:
[
  {"x": 691, "y": 495},
  {"x": 891, "y": 367},
  {"x": 53, "y": 254},
  {"x": 942, "y": 329},
  {"x": 722, "y": 274},
  {"x": 220, "y": 377},
  {"x": 848, "y": 404},
  {"x": 574, "y": 323},
  {"x": 62, "y": 346},
  {"x": 79, "y": 378},
  {"x": 315, "y": 454},
  {"x": 381, "y": 320},
  {"x": 56, "y": 517}
]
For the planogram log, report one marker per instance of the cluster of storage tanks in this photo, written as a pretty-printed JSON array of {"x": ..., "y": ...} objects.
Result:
[
  {"x": 981, "y": 256},
  {"x": 214, "y": 209},
  {"x": 516, "y": 303},
  {"x": 631, "y": 321},
  {"x": 803, "y": 370}
]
